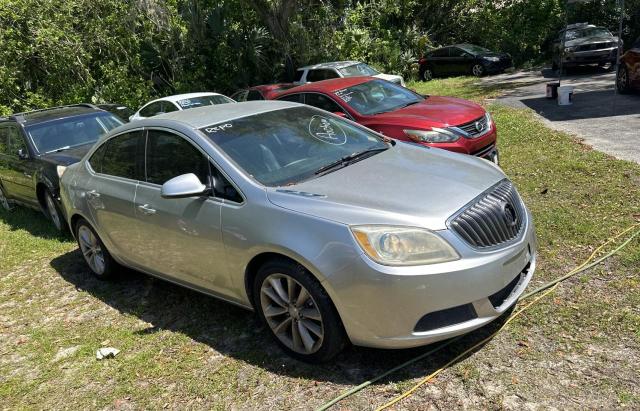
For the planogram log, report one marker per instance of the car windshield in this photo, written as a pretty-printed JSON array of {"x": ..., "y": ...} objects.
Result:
[
  {"x": 71, "y": 132},
  {"x": 377, "y": 96},
  {"x": 359, "y": 69},
  {"x": 287, "y": 146},
  {"x": 589, "y": 32},
  {"x": 194, "y": 102},
  {"x": 473, "y": 49}
]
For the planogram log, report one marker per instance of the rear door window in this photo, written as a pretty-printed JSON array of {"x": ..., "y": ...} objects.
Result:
[
  {"x": 254, "y": 95},
  {"x": 296, "y": 98},
  {"x": 152, "y": 109},
  {"x": 321, "y": 74},
  {"x": 441, "y": 53},
  {"x": 170, "y": 155},
  {"x": 322, "y": 102},
  {"x": 123, "y": 155}
]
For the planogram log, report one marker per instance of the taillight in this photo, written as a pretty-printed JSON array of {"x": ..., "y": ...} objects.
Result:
[{"x": 422, "y": 60}]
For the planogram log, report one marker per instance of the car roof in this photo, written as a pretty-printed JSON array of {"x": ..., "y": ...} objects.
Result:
[
  {"x": 207, "y": 115},
  {"x": 331, "y": 64},
  {"x": 329, "y": 86},
  {"x": 177, "y": 97},
  {"x": 28, "y": 118}
]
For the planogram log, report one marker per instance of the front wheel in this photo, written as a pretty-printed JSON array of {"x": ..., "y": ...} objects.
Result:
[
  {"x": 54, "y": 212},
  {"x": 478, "y": 70},
  {"x": 298, "y": 311},
  {"x": 95, "y": 254},
  {"x": 622, "y": 80},
  {"x": 4, "y": 201}
]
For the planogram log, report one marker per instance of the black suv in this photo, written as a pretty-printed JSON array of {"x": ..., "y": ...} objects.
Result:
[{"x": 37, "y": 146}]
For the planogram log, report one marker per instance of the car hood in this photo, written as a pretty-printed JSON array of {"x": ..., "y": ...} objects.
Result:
[
  {"x": 405, "y": 185},
  {"x": 69, "y": 156},
  {"x": 590, "y": 40},
  {"x": 446, "y": 111}
]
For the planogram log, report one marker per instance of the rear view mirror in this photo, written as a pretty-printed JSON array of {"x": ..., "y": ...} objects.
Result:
[
  {"x": 186, "y": 185},
  {"x": 22, "y": 155}
]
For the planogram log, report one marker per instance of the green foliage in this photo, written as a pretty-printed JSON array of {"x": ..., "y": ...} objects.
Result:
[{"x": 128, "y": 51}]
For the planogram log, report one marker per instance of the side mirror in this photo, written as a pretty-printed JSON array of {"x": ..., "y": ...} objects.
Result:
[
  {"x": 186, "y": 185},
  {"x": 22, "y": 155},
  {"x": 340, "y": 114}
]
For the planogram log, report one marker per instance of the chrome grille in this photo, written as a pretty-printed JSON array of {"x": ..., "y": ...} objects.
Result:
[
  {"x": 595, "y": 46},
  {"x": 493, "y": 219},
  {"x": 475, "y": 128}
]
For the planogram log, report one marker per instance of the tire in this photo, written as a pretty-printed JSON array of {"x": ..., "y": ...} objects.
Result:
[
  {"x": 305, "y": 325},
  {"x": 95, "y": 254},
  {"x": 622, "y": 80},
  {"x": 4, "y": 201},
  {"x": 426, "y": 74},
  {"x": 478, "y": 70},
  {"x": 54, "y": 212}
]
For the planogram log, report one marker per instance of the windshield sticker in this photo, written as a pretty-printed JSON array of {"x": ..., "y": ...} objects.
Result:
[
  {"x": 215, "y": 129},
  {"x": 344, "y": 94},
  {"x": 327, "y": 130},
  {"x": 184, "y": 103}
]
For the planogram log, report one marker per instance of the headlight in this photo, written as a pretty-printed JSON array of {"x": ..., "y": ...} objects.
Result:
[
  {"x": 435, "y": 135},
  {"x": 494, "y": 59},
  {"x": 392, "y": 245},
  {"x": 488, "y": 118},
  {"x": 60, "y": 170},
  {"x": 569, "y": 49}
]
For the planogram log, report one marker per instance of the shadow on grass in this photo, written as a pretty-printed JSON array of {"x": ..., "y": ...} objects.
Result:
[
  {"x": 238, "y": 333},
  {"x": 32, "y": 221}
]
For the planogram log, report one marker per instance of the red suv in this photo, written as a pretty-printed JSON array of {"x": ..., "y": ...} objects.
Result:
[
  {"x": 629, "y": 70},
  {"x": 444, "y": 122}
]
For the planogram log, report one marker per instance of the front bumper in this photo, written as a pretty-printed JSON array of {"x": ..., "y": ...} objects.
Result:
[
  {"x": 577, "y": 58},
  {"x": 402, "y": 307}
]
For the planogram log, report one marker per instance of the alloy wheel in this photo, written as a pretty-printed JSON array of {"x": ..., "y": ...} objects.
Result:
[
  {"x": 4, "y": 202},
  {"x": 291, "y": 313},
  {"x": 427, "y": 75},
  {"x": 91, "y": 249},
  {"x": 622, "y": 79},
  {"x": 53, "y": 211},
  {"x": 477, "y": 70}
]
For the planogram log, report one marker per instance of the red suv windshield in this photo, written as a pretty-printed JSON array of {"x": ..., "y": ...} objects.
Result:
[{"x": 377, "y": 96}]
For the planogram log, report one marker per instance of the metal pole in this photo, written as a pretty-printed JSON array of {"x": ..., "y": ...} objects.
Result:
[
  {"x": 619, "y": 52},
  {"x": 564, "y": 38}
]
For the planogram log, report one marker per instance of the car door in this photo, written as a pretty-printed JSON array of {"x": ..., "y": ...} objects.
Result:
[
  {"x": 17, "y": 170},
  {"x": 180, "y": 238},
  {"x": 634, "y": 63},
  {"x": 460, "y": 61},
  {"x": 439, "y": 61},
  {"x": 324, "y": 103},
  {"x": 117, "y": 166}
]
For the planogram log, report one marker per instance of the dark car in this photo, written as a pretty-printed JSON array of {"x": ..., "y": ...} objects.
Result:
[
  {"x": 629, "y": 70},
  {"x": 262, "y": 92},
  {"x": 460, "y": 59},
  {"x": 121, "y": 111},
  {"x": 37, "y": 146},
  {"x": 585, "y": 44}
]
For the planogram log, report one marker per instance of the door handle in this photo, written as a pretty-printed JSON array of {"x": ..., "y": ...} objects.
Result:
[
  {"x": 93, "y": 194},
  {"x": 146, "y": 209}
]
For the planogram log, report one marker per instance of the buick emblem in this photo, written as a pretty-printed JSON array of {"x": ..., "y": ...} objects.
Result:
[{"x": 509, "y": 214}]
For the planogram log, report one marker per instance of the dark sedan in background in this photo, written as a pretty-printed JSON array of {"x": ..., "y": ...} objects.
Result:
[
  {"x": 461, "y": 59},
  {"x": 36, "y": 147}
]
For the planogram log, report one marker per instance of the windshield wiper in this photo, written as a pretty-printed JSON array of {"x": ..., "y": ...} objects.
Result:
[
  {"x": 57, "y": 150},
  {"x": 350, "y": 159},
  {"x": 396, "y": 108}
]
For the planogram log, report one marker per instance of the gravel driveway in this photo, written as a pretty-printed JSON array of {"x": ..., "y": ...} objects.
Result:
[{"x": 607, "y": 121}]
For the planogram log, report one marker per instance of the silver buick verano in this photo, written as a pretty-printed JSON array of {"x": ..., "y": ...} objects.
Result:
[{"x": 330, "y": 231}]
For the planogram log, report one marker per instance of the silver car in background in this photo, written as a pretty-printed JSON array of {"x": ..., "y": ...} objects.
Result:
[{"x": 329, "y": 231}]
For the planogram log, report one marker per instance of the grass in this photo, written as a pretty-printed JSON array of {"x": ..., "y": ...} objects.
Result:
[{"x": 579, "y": 348}]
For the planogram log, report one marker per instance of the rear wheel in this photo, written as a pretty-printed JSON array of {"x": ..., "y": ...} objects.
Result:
[
  {"x": 426, "y": 74},
  {"x": 95, "y": 254},
  {"x": 298, "y": 311},
  {"x": 478, "y": 70},
  {"x": 622, "y": 80},
  {"x": 54, "y": 212},
  {"x": 4, "y": 201}
]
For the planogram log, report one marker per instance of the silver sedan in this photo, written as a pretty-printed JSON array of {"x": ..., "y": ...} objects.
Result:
[{"x": 329, "y": 231}]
